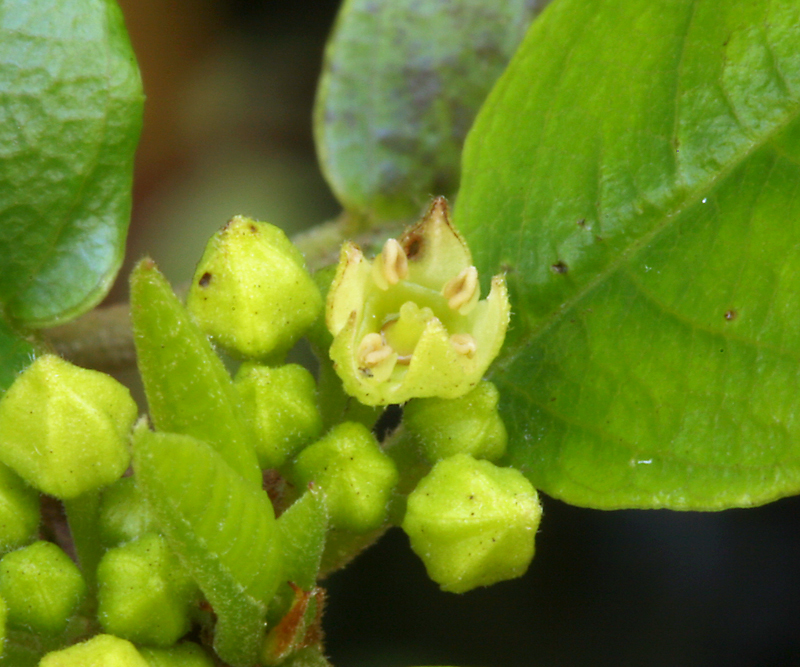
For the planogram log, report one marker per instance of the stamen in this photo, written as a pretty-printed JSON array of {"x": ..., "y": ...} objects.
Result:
[
  {"x": 395, "y": 262},
  {"x": 373, "y": 350},
  {"x": 462, "y": 289},
  {"x": 464, "y": 344}
]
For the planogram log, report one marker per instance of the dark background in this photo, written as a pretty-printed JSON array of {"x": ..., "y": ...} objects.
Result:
[{"x": 230, "y": 86}]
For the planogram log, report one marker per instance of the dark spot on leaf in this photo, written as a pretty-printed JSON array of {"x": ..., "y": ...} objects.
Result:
[
  {"x": 731, "y": 315},
  {"x": 559, "y": 267},
  {"x": 582, "y": 222},
  {"x": 507, "y": 268},
  {"x": 253, "y": 228},
  {"x": 598, "y": 238},
  {"x": 204, "y": 279}
]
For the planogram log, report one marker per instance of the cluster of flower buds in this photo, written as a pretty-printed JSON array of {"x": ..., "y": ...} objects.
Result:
[{"x": 193, "y": 530}]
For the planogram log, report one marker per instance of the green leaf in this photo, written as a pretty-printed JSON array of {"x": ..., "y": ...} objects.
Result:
[
  {"x": 70, "y": 115},
  {"x": 402, "y": 83},
  {"x": 641, "y": 192},
  {"x": 302, "y": 530},
  {"x": 188, "y": 387},
  {"x": 221, "y": 527},
  {"x": 16, "y": 354}
]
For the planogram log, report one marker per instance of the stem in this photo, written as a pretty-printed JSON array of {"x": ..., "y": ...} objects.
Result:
[{"x": 83, "y": 514}]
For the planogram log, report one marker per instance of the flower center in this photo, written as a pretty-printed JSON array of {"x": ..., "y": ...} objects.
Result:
[{"x": 402, "y": 332}]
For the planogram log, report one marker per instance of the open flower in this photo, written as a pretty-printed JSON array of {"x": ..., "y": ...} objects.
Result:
[{"x": 411, "y": 323}]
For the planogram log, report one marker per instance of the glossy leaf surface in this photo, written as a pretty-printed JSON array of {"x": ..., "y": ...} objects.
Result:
[
  {"x": 70, "y": 115},
  {"x": 402, "y": 83},
  {"x": 16, "y": 354},
  {"x": 223, "y": 530},
  {"x": 642, "y": 195}
]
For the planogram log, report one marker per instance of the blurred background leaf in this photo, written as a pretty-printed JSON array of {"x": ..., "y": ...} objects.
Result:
[{"x": 402, "y": 83}]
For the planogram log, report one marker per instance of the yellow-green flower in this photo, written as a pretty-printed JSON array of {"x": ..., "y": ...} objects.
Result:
[{"x": 411, "y": 323}]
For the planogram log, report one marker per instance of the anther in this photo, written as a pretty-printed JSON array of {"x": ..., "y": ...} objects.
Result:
[
  {"x": 395, "y": 262},
  {"x": 464, "y": 344},
  {"x": 373, "y": 350},
  {"x": 462, "y": 289}
]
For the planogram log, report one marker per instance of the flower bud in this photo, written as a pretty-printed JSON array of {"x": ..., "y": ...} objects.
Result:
[
  {"x": 469, "y": 424},
  {"x": 251, "y": 292},
  {"x": 144, "y": 593},
  {"x": 65, "y": 429},
  {"x": 99, "y": 651},
  {"x": 411, "y": 323},
  {"x": 186, "y": 654},
  {"x": 124, "y": 514},
  {"x": 41, "y": 586},
  {"x": 356, "y": 476},
  {"x": 19, "y": 511},
  {"x": 281, "y": 406},
  {"x": 472, "y": 523}
]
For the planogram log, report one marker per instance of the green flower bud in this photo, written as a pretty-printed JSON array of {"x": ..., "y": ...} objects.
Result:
[
  {"x": 19, "y": 511},
  {"x": 65, "y": 429},
  {"x": 472, "y": 523},
  {"x": 186, "y": 654},
  {"x": 356, "y": 476},
  {"x": 469, "y": 424},
  {"x": 100, "y": 651},
  {"x": 281, "y": 404},
  {"x": 411, "y": 323},
  {"x": 144, "y": 593},
  {"x": 41, "y": 586},
  {"x": 251, "y": 292},
  {"x": 124, "y": 514}
]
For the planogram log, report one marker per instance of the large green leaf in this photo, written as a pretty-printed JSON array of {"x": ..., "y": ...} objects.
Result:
[
  {"x": 403, "y": 81},
  {"x": 70, "y": 114},
  {"x": 637, "y": 173}
]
